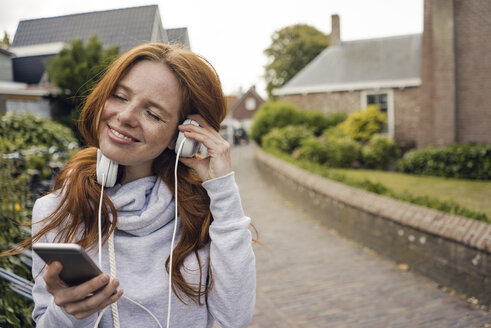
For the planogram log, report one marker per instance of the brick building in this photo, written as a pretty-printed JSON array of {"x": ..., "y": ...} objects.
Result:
[
  {"x": 456, "y": 73},
  {"x": 246, "y": 106},
  {"x": 434, "y": 87},
  {"x": 348, "y": 76}
]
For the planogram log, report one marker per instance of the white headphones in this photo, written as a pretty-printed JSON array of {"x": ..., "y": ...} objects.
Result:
[
  {"x": 190, "y": 147},
  {"x": 107, "y": 169}
]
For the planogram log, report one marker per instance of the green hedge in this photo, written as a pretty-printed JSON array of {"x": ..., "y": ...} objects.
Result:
[
  {"x": 15, "y": 310},
  {"x": 380, "y": 152},
  {"x": 447, "y": 206},
  {"x": 342, "y": 144},
  {"x": 21, "y": 131},
  {"x": 286, "y": 138},
  {"x": 471, "y": 161},
  {"x": 276, "y": 114},
  {"x": 340, "y": 152},
  {"x": 362, "y": 124},
  {"x": 30, "y": 146}
]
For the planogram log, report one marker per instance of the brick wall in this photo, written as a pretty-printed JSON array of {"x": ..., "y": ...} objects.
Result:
[
  {"x": 407, "y": 104},
  {"x": 473, "y": 70},
  {"x": 453, "y": 251},
  {"x": 346, "y": 101},
  {"x": 438, "y": 120},
  {"x": 455, "y": 72}
]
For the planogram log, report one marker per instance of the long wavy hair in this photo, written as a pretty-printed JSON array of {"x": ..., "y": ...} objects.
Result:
[{"x": 201, "y": 93}]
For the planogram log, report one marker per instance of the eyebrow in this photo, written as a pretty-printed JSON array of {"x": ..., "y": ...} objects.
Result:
[{"x": 149, "y": 102}]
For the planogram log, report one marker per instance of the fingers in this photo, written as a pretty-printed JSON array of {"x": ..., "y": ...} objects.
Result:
[
  {"x": 114, "y": 298},
  {"x": 67, "y": 295},
  {"x": 98, "y": 301},
  {"x": 85, "y": 299},
  {"x": 218, "y": 162},
  {"x": 206, "y": 135},
  {"x": 52, "y": 277},
  {"x": 201, "y": 121}
]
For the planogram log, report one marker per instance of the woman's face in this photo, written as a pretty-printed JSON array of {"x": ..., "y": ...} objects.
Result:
[{"x": 139, "y": 120}]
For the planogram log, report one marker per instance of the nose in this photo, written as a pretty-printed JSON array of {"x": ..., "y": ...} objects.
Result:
[{"x": 128, "y": 115}]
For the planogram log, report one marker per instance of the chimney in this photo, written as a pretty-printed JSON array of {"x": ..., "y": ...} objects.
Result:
[{"x": 335, "y": 38}]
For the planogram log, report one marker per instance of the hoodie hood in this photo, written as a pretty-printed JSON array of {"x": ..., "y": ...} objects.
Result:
[{"x": 144, "y": 205}]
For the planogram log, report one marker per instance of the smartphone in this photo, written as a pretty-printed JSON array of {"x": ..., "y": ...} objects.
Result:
[{"x": 78, "y": 267}]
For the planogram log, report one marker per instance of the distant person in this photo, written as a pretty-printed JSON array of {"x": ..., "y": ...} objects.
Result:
[{"x": 240, "y": 135}]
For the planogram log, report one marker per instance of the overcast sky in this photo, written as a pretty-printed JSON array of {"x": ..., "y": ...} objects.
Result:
[{"x": 232, "y": 35}]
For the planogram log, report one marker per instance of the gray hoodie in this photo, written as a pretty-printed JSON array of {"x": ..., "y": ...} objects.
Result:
[{"x": 142, "y": 245}]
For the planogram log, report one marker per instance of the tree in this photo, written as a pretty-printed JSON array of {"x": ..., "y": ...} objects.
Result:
[
  {"x": 291, "y": 49},
  {"x": 6, "y": 40},
  {"x": 76, "y": 70}
]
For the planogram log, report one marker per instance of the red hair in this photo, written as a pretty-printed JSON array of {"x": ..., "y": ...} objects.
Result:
[{"x": 201, "y": 93}]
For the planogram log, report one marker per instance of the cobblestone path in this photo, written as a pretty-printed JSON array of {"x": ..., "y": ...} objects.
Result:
[{"x": 308, "y": 276}]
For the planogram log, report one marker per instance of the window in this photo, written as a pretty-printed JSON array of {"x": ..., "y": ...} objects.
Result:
[
  {"x": 385, "y": 100},
  {"x": 250, "y": 103},
  {"x": 380, "y": 100}
]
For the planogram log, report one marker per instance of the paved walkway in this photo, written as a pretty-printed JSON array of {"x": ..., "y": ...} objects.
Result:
[{"x": 308, "y": 276}]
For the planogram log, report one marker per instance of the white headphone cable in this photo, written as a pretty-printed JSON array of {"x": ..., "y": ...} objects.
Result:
[
  {"x": 174, "y": 233},
  {"x": 112, "y": 259},
  {"x": 112, "y": 262}
]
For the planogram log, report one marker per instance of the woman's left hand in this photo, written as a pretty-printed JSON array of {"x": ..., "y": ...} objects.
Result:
[{"x": 218, "y": 162}]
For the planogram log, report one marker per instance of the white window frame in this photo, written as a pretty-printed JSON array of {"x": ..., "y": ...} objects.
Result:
[
  {"x": 390, "y": 106},
  {"x": 250, "y": 103}
]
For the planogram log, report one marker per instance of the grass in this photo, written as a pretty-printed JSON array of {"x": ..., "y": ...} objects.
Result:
[
  {"x": 472, "y": 194},
  {"x": 468, "y": 198}
]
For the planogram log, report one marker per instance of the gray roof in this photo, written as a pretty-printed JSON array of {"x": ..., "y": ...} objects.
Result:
[
  {"x": 124, "y": 27},
  {"x": 178, "y": 36},
  {"x": 5, "y": 52},
  {"x": 361, "y": 64}
]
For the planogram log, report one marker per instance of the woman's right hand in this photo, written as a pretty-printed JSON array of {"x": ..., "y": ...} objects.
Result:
[{"x": 81, "y": 301}]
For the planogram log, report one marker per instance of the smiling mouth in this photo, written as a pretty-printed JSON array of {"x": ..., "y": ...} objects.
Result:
[{"x": 122, "y": 136}]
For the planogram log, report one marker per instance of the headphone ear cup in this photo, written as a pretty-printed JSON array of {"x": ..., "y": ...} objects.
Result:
[
  {"x": 190, "y": 147},
  {"x": 106, "y": 170}
]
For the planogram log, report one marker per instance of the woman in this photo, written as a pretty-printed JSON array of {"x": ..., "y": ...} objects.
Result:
[{"x": 133, "y": 117}]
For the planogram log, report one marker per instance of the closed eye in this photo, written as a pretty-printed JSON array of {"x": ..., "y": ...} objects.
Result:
[
  {"x": 153, "y": 116},
  {"x": 119, "y": 97}
]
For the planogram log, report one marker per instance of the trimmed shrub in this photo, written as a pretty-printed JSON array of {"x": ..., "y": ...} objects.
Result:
[
  {"x": 15, "y": 310},
  {"x": 316, "y": 120},
  {"x": 334, "y": 118},
  {"x": 334, "y": 132},
  {"x": 286, "y": 138},
  {"x": 39, "y": 143},
  {"x": 471, "y": 161},
  {"x": 379, "y": 152},
  {"x": 21, "y": 131},
  {"x": 362, "y": 124},
  {"x": 273, "y": 115},
  {"x": 313, "y": 149},
  {"x": 29, "y": 149},
  {"x": 346, "y": 152}
]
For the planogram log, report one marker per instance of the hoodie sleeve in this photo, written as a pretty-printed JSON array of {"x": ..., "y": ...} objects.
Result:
[
  {"x": 46, "y": 313},
  {"x": 231, "y": 300}
]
